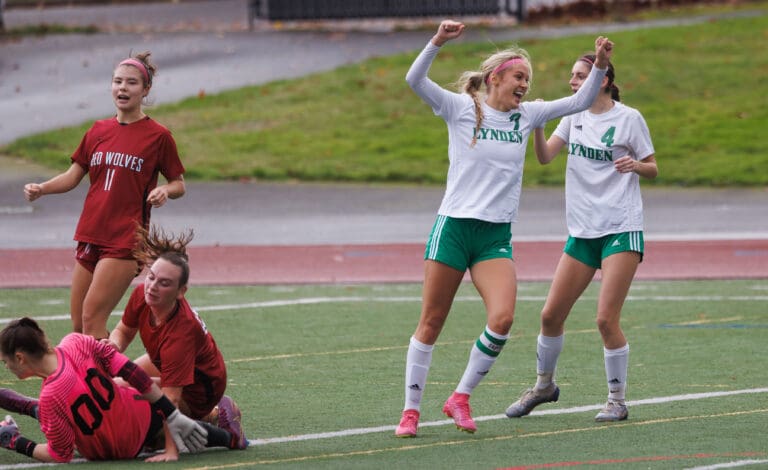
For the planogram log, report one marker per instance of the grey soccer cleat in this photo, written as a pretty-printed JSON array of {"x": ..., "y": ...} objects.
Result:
[
  {"x": 613, "y": 411},
  {"x": 532, "y": 398}
]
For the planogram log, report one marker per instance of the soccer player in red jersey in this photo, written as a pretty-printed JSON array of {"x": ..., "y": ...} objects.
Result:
[
  {"x": 82, "y": 407},
  {"x": 122, "y": 157},
  {"x": 181, "y": 354}
]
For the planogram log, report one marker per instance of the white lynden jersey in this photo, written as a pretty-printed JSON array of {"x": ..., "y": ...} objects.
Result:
[
  {"x": 598, "y": 199},
  {"x": 484, "y": 181}
]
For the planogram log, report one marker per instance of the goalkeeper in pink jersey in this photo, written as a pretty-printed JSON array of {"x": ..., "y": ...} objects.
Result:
[{"x": 82, "y": 408}]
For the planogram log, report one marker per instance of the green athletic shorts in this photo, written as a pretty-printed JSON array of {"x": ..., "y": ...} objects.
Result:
[
  {"x": 592, "y": 251},
  {"x": 461, "y": 243}
]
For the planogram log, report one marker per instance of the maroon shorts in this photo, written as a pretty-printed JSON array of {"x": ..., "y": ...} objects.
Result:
[
  {"x": 88, "y": 254},
  {"x": 203, "y": 396}
]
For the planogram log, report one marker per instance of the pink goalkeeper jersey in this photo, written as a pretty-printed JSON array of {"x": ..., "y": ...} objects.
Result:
[
  {"x": 123, "y": 163},
  {"x": 82, "y": 407}
]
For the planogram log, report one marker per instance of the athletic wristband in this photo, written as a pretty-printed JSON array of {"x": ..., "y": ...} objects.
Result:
[
  {"x": 164, "y": 406},
  {"x": 24, "y": 446}
]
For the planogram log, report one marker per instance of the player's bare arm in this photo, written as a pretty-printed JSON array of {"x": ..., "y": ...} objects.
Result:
[
  {"x": 58, "y": 184},
  {"x": 173, "y": 190},
  {"x": 646, "y": 168}
]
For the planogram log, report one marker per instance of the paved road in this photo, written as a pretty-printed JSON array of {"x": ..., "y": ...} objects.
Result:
[
  {"x": 305, "y": 214},
  {"x": 61, "y": 80}
]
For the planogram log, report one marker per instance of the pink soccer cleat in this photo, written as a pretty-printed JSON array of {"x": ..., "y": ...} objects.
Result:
[
  {"x": 409, "y": 423},
  {"x": 229, "y": 420},
  {"x": 457, "y": 407}
]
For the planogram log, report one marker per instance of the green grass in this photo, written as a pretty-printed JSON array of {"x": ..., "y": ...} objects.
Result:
[
  {"x": 44, "y": 29},
  {"x": 699, "y": 88},
  {"x": 302, "y": 368}
]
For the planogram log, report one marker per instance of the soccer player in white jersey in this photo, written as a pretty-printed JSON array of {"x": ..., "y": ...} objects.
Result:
[
  {"x": 488, "y": 130},
  {"x": 609, "y": 149}
]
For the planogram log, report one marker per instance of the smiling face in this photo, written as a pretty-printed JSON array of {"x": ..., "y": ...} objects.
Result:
[
  {"x": 509, "y": 86},
  {"x": 128, "y": 89},
  {"x": 161, "y": 287}
]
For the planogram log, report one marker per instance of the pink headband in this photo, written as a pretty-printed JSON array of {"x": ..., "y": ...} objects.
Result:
[
  {"x": 504, "y": 65},
  {"x": 587, "y": 60},
  {"x": 139, "y": 65}
]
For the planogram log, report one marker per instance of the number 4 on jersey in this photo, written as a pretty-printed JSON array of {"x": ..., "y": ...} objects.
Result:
[{"x": 607, "y": 138}]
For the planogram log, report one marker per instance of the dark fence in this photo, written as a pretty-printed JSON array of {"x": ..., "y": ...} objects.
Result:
[{"x": 340, "y": 9}]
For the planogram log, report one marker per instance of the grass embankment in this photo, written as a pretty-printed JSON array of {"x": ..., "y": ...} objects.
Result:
[{"x": 701, "y": 89}]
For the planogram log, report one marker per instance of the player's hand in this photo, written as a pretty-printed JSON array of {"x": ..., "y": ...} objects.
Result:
[
  {"x": 447, "y": 30},
  {"x": 625, "y": 164},
  {"x": 186, "y": 432},
  {"x": 9, "y": 432},
  {"x": 164, "y": 457},
  {"x": 158, "y": 196},
  {"x": 603, "y": 51},
  {"x": 32, "y": 191}
]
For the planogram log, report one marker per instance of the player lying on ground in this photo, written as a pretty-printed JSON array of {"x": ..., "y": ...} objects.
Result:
[{"x": 82, "y": 407}]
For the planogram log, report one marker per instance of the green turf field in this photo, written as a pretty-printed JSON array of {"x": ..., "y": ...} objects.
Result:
[{"x": 318, "y": 372}]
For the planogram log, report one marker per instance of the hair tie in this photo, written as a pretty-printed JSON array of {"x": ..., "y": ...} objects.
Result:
[
  {"x": 139, "y": 65},
  {"x": 504, "y": 65}
]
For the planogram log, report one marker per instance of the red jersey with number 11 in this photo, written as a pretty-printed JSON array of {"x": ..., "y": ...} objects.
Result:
[{"x": 122, "y": 161}]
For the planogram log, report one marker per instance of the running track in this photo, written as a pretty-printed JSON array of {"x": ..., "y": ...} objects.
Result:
[{"x": 400, "y": 262}]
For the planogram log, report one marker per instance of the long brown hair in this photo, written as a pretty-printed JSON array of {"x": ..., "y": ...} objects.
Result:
[
  {"x": 24, "y": 334},
  {"x": 156, "y": 243}
]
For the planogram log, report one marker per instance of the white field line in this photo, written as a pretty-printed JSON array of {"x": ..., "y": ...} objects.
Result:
[
  {"x": 390, "y": 428},
  {"x": 737, "y": 463},
  {"x": 469, "y": 298},
  {"x": 561, "y": 411},
  {"x": 444, "y": 422}
]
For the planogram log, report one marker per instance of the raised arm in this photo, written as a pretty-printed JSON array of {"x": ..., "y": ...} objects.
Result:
[
  {"x": 416, "y": 77},
  {"x": 587, "y": 93},
  {"x": 541, "y": 112},
  {"x": 447, "y": 31},
  {"x": 603, "y": 52}
]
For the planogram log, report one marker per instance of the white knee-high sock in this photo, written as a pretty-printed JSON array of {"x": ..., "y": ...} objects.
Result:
[
  {"x": 616, "y": 365},
  {"x": 482, "y": 356},
  {"x": 548, "y": 349},
  {"x": 416, "y": 368}
]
